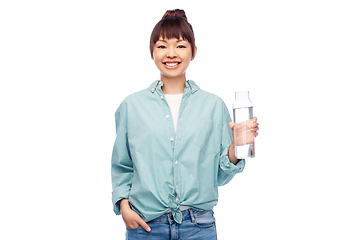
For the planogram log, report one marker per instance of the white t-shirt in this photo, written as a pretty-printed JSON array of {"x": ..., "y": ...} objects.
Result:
[{"x": 174, "y": 102}]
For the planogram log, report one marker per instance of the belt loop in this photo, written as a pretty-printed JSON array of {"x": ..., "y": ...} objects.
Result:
[
  {"x": 192, "y": 216},
  {"x": 169, "y": 218}
]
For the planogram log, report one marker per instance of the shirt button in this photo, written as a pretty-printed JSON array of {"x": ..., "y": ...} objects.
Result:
[
  {"x": 177, "y": 187},
  {"x": 179, "y": 138},
  {"x": 176, "y": 162},
  {"x": 171, "y": 139},
  {"x": 161, "y": 97},
  {"x": 182, "y": 118},
  {"x": 167, "y": 116}
]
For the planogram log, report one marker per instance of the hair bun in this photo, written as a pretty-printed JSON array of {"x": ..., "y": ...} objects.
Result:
[{"x": 175, "y": 13}]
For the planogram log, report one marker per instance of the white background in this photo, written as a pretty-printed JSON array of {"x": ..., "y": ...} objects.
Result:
[{"x": 65, "y": 66}]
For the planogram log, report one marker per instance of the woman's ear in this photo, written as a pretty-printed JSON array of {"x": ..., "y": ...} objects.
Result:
[{"x": 194, "y": 54}]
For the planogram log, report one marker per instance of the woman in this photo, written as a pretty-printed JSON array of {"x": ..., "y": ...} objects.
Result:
[{"x": 174, "y": 146}]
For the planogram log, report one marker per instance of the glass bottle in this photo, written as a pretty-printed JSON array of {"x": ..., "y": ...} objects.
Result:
[{"x": 242, "y": 117}]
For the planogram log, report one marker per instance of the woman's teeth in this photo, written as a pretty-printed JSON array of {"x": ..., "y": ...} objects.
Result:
[{"x": 171, "y": 64}]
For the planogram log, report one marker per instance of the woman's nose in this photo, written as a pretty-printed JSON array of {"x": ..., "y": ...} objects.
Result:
[{"x": 171, "y": 53}]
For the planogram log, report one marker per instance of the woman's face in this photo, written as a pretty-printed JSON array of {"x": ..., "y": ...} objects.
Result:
[{"x": 172, "y": 57}]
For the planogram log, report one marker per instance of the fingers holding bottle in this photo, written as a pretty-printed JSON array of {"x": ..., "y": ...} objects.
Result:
[
  {"x": 254, "y": 127},
  {"x": 244, "y": 132}
]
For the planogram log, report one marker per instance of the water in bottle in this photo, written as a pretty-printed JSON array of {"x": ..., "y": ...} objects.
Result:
[{"x": 243, "y": 137}]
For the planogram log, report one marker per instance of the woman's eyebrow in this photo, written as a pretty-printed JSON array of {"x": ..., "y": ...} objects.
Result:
[
  {"x": 162, "y": 40},
  {"x": 179, "y": 40}
]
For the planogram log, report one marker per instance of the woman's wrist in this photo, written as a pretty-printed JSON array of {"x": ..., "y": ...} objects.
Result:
[
  {"x": 124, "y": 204},
  {"x": 231, "y": 154}
]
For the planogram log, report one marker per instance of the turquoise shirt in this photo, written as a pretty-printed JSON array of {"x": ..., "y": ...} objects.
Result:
[{"x": 158, "y": 169}]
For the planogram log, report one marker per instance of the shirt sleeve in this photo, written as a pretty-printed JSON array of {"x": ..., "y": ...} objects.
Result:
[
  {"x": 122, "y": 166},
  {"x": 227, "y": 170}
]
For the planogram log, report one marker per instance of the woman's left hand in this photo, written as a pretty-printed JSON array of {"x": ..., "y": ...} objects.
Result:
[{"x": 244, "y": 132}]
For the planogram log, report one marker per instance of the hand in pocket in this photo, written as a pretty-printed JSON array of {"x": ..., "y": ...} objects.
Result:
[{"x": 130, "y": 217}]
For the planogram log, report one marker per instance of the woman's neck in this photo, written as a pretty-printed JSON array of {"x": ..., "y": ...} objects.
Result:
[{"x": 173, "y": 85}]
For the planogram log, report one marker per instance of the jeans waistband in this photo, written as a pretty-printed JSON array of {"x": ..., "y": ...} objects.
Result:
[{"x": 186, "y": 214}]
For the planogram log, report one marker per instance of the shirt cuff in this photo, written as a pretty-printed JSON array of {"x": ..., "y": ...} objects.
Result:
[
  {"x": 116, "y": 202},
  {"x": 228, "y": 167}
]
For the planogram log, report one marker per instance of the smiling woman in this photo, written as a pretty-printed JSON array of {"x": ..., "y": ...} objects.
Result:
[{"x": 173, "y": 147}]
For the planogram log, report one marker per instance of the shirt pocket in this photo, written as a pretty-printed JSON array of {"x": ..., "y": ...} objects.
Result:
[{"x": 205, "y": 136}]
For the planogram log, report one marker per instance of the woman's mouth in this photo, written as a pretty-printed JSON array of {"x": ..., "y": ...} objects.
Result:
[{"x": 171, "y": 65}]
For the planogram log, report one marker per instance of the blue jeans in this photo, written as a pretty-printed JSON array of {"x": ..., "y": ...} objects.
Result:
[{"x": 196, "y": 225}]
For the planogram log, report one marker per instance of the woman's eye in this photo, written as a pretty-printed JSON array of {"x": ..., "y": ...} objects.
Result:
[
  {"x": 162, "y": 47},
  {"x": 181, "y": 46}
]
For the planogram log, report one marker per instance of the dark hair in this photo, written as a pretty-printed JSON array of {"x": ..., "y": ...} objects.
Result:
[{"x": 173, "y": 25}]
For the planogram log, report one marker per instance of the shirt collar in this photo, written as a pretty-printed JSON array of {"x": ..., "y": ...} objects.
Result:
[
  {"x": 192, "y": 85},
  {"x": 189, "y": 84},
  {"x": 156, "y": 84}
]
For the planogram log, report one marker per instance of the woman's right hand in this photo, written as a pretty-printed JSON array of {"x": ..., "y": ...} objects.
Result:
[{"x": 130, "y": 217}]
